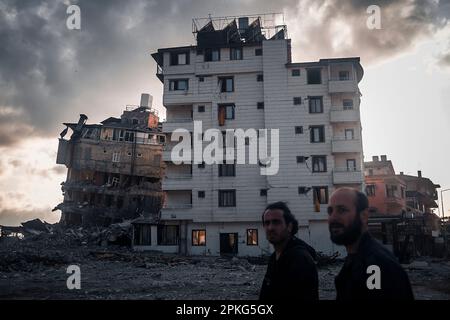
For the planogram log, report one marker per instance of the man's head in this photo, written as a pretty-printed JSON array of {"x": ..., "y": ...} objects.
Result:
[
  {"x": 279, "y": 223},
  {"x": 347, "y": 215}
]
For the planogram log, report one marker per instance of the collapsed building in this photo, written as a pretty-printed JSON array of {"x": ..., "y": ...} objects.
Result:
[{"x": 114, "y": 168}]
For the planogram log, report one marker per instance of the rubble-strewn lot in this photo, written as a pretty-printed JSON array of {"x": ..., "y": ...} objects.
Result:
[{"x": 37, "y": 270}]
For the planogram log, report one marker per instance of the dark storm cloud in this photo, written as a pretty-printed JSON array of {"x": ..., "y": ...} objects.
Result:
[{"x": 49, "y": 74}]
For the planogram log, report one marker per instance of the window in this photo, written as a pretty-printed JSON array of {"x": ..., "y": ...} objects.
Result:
[
  {"x": 226, "y": 84},
  {"x": 129, "y": 136},
  {"x": 168, "y": 235},
  {"x": 226, "y": 112},
  {"x": 139, "y": 155},
  {"x": 259, "y": 78},
  {"x": 263, "y": 192},
  {"x": 212, "y": 54},
  {"x": 227, "y": 198},
  {"x": 315, "y": 104},
  {"x": 252, "y": 237},
  {"x": 201, "y": 79},
  {"x": 260, "y": 105},
  {"x": 135, "y": 121},
  {"x": 227, "y": 170},
  {"x": 299, "y": 130},
  {"x": 297, "y": 100},
  {"x": 402, "y": 191},
  {"x": 258, "y": 52},
  {"x": 199, "y": 237},
  {"x": 301, "y": 159},
  {"x": 370, "y": 190},
  {"x": 180, "y": 84},
  {"x": 201, "y": 165},
  {"x": 142, "y": 234},
  {"x": 129, "y": 154},
  {"x": 201, "y": 194},
  {"x": 320, "y": 195},
  {"x": 201, "y": 108},
  {"x": 236, "y": 54},
  {"x": 349, "y": 134},
  {"x": 351, "y": 165},
  {"x": 370, "y": 172},
  {"x": 319, "y": 163},
  {"x": 179, "y": 58},
  {"x": 347, "y": 104},
  {"x": 303, "y": 190},
  {"x": 116, "y": 157},
  {"x": 314, "y": 76},
  {"x": 317, "y": 134},
  {"x": 391, "y": 191},
  {"x": 344, "y": 75},
  {"x": 295, "y": 72}
]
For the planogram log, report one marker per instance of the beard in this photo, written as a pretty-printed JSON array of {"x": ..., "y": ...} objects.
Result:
[{"x": 349, "y": 235}]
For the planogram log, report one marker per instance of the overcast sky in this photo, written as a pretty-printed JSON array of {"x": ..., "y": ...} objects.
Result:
[{"x": 49, "y": 75}]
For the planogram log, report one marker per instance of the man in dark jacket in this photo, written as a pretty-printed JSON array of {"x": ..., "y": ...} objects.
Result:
[
  {"x": 291, "y": 273},
  {"x": 370, "y": 271}
]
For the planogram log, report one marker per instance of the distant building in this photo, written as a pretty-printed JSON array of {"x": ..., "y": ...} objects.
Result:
[
  {"x": 385, "y": 190},
  {"x": 114, "y": 168}
]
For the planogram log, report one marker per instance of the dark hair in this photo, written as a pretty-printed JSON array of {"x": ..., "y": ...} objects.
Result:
[
  {"x": 287, "y": 214},
  {"x": 361, "y": 202}
]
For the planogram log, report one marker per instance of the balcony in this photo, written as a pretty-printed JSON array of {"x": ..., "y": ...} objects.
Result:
[
  {"x": 347, "y": 176},
  {"x": 177, "y": 212},
  {"x": 339, "y": 114},
  {"x": 335, "y": 85},
  {"x": 346, "y": 146}
]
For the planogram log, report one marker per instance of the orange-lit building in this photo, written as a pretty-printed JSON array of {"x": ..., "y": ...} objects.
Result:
[{"x": 386, "y": 190}]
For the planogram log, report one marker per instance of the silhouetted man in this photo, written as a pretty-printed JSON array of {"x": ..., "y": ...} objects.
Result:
[
  {"x": 370, "y": 271},
  {"x": 291, "y": 273}
]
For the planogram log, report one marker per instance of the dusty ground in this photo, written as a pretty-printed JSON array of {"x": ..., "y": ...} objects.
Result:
[{"x": 108, "y": 273}]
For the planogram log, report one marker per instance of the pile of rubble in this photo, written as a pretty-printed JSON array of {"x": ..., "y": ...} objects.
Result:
[{"x": 43, "y": 234}]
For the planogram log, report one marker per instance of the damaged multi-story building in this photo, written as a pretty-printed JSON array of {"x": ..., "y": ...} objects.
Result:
[
  {"x": 240, "y": 74},
  {"x": 114, "y": 168}
]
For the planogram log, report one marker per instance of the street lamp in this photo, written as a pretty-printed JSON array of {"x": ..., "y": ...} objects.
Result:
[{"x": 442, "y": 202}]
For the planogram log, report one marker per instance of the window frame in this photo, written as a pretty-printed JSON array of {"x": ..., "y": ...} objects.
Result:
[
  {"x": 321, "y": 134},
  {"x": 316, "y": 193},
  {"x": 222, "y": 202},
  {"x": 315, "y": 99},
  {"x": 309, "y": 75},
  {"x": 198, "y": 244},
  {"x": 222, "y": 82},
  {"x": 316, "y": 160},
  {"x": 248, "y": 237}
]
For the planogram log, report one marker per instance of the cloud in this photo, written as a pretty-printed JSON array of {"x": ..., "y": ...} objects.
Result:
[
  {"x": 59, "y": 170},
  {"x": 444, "y": 60},
  {"x": 14, "y": 217},
  {"x": 49, "y": 74}
]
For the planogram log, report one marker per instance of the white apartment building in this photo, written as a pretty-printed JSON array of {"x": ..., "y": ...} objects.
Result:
[{"x": 239, "y": 75}]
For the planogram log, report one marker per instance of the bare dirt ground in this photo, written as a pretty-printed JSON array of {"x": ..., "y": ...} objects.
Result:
[{"x": 115, "y": 273}]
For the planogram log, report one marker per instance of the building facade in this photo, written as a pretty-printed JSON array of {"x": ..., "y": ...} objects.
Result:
[{"x": 240, "y": 75}]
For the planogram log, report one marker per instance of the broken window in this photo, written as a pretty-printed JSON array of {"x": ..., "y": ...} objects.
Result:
[
  {"x": 226, "y": 84},
  {"x": 297, "y": 100},
  {"x": 259, "y": 77},
  {"x": 236, "y": 54},
  {"x": 201, "y": 108},
  {"x": 298, "y": 129},
  {"x": 198, "y": 237},
  {"x": 315, "y": 104},
  {"x": 212, "y": 55},
  {"x": 142, "y": 234},
  {"x": 320, "y": 195},
  {"x": 295, "y": 72},
  {"x": 370, "y": 190},
  {"x": 391, "y": 191},
  {"x": 227, "y": 198},
  {"x": 317, "y": 134},
  {"x": 178, "y": 84},
  {"x": 168, "y": 235},
  {"x": 252, "y": 237},
  {"x": 314, "y": 76},
  {"x": 319, "y": 163},
  {"x": 201, "y": 194}
]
